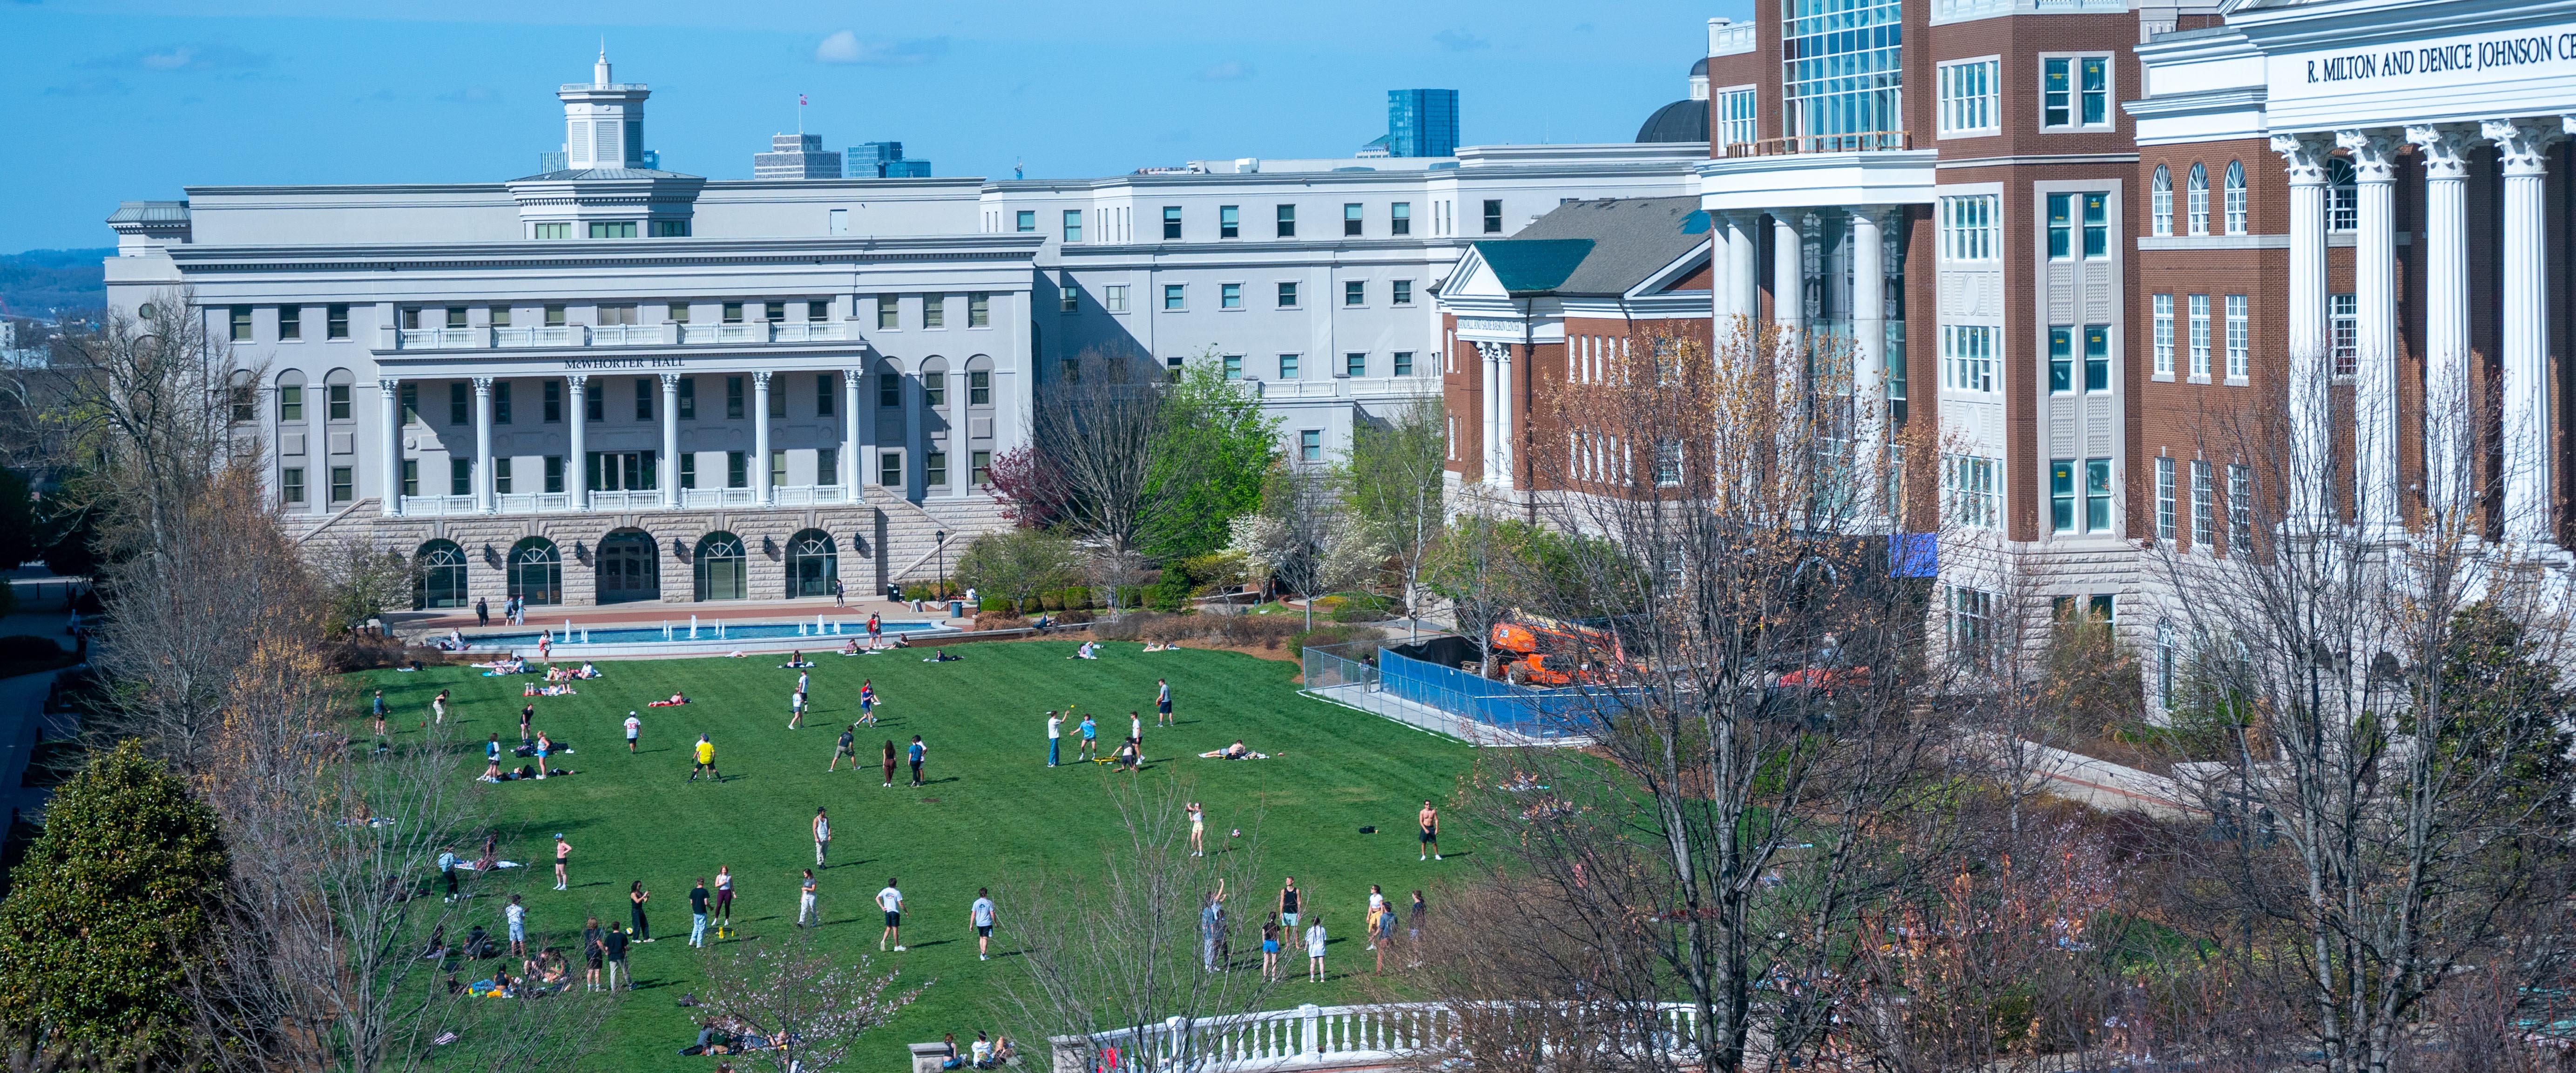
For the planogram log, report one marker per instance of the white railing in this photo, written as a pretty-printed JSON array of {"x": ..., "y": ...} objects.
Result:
[
  {"x": 532, "y": 502},
  {"x": 697, "y": 334},
  {"x": 808, "y": 495},
  {"x": 719, "y": 497},
  {"x": 1963, "y": 10},
  {"x": 627, "y": 499},
  {"x": 1732, "y": 38},
  {"x": 439, "y": 338},
  {"x": 812, "y": 331},
  {"x": 753, "y": 332},
  {"x": 1345, "y": 387},
  {"x": 437, "y": 506},
  {"x": 626, "y": 334},
  {"x": 538, "y": 335},
  {"x": 1306, "y": 1036}
]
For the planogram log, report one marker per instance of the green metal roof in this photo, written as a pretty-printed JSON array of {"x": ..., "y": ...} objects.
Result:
[{"x": 1531, "y": 265}]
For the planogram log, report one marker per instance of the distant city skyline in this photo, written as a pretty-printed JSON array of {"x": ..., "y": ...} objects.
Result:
[{"x": 128, "y": 99}]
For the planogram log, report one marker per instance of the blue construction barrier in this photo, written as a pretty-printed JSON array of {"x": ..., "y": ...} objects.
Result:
[{"x": 1536, "y": 713}]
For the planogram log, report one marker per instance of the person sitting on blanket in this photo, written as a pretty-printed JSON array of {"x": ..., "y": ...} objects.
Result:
[
  {"x": 850, "y": 647},
  {"x": 796, "y": 661},
  {"x": 586, "y": 671},
  {"x": 1087, "y": 651},
  {"x": 675, "y": 701}
]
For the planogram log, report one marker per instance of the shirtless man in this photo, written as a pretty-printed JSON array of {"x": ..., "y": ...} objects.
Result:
[{"x": 1430, "y": 820}]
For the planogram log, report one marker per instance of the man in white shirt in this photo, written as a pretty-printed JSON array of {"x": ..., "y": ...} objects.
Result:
[
  {"x": 633, "y": 726},
  {"x": 1055, "y": 736},
  {"x": 980, "y": 915},
  {"x": 518, "y": 916},
  {"x": 891, "y": 900},
  {"x": 822, "y": 836}
]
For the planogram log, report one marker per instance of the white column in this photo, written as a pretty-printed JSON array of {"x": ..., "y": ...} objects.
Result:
[
  {"x": 850, "y": 467},
  {"x": 666, "y": 470},
  {"x": 577, "y": 466},
  {"x": 391, "y": 388},
  {"x": 483, "y": 444},
  {"x": 760, "y": 489},
  {"x": 1788, "y": 274},
  {"x": 2524, "y": 145},
  {"x": 2305, "y": 158},
  {"x": 2449, "y": 425},
  {"x": 1744, "y": 257},
  {"x": 2374, "y": 382},
  {"x": 1869, "y": 353},
  {"x": 1504, "y": 447},
  {"x": 1492, "y": 430}
]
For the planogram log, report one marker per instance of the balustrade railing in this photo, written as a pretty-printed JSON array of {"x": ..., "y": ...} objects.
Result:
[
  {"x": 437, "y": 506},
  {"x": 575, "y": 335},
  {"x": 1857, "y": 142},
  {"x": 627, "y": 499},
  {"x": 1307, "y": 1035}
]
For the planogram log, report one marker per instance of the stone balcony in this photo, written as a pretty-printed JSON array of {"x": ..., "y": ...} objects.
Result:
[
  {"x": 564, "y": 336},
  {"x": 631, "y": 499}
]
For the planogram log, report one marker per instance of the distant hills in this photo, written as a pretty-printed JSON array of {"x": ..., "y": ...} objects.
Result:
[{"x": 37, "y": 282}]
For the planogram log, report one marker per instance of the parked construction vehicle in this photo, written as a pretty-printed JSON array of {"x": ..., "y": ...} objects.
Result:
[{"x": 1540, "y": 651}]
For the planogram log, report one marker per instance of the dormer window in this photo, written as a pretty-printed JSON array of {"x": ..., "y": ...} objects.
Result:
[
  {"x": 550, "y": 231},
  {"x": 612, "y": 229}
]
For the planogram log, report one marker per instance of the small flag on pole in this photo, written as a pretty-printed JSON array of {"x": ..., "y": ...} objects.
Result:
[{"x": 800, "y": 100}]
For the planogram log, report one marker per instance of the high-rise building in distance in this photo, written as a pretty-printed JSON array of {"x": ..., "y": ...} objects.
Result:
[
  {"x": 1422, "y": 122},
  {"x": 883, "y": 160},
  {"x": 796, "y": 156}
]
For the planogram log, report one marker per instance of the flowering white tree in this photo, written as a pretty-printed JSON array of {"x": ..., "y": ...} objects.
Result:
[{"x": 789, "y": 991}]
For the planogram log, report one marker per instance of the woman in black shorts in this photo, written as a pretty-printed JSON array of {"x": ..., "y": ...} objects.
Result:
[{"x": 637, "y": 895}]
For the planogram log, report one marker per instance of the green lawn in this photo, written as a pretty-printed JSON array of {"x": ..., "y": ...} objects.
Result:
[{"x": 993, "y": 808}]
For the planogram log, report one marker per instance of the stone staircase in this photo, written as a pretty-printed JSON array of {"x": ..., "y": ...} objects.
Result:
[{"x": 911, "y": 549}]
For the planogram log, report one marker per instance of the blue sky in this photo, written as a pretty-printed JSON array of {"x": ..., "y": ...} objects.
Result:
[{"x": 114, "y": 100}]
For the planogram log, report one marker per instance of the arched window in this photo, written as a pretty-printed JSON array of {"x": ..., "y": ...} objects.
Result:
[
  {"x": 719, "y": 568},
  {"x": 2196, "y": 200},
  {"x": 536, "y": 571},
  {"x": 812, "y": 563},
  {"x": 2343, "y": 195},
  {"x": 2160, "y": 202},
  {"x": 438, "y": 576},
  {"x": 2234, "y": 204},
  {"x": 626, "y": 568}
]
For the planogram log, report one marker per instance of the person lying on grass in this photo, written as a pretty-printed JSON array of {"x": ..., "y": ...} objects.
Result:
[
  {"x": 675, "y": 701},
  {"x": 1235, "y": 751}
]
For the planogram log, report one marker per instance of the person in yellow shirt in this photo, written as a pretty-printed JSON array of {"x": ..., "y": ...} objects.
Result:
[{"x": 706, "y": 761}]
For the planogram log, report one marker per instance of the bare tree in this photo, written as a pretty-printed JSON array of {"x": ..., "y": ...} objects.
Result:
[
  {"x": 1098, "y": 439},
  {"x": 788, "y": 991},
  {"x": 1304, "y": 536},
  {"x": 1392, "y": 483},
  {"x": 1145, "y": 947},
  {"x": 2394, "y": 789}
]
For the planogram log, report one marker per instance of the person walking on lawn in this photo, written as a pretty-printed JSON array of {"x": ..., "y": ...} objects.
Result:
[
  {"x": 889, "y": 763},
  {"x": 795, "y": 709},
  {"x": 724, "y": 899},
  {"x": 918, "y": 752},
  {"x": 805, "y": 902},
  {"x": 891, "y": 900},
  {"x": 615, "y": 944},
  {"x": 634, "y": 726},
  {"x": 698, "y": 913},
  {"x": 980, "y": 916},
  {"x": 1162, "y": 703},
  {"x": 822, "y": 836}
]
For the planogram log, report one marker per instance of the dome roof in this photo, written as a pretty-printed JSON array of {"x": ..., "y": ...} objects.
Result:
[
  {"x": 1680, "y": 121},
  {"x": 1700, "y": 69}
]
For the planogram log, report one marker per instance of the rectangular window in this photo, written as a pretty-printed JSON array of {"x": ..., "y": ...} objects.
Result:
[
  {"x": 1073, "y": 225},
  {"x": 1352, "y": 218},
  {"x": 1233, "y": 365},
  {"x": 338, "y": 394},
  {"x": 934, "y": 388},
  {"x": 680, "y": 228},
  {"x": 688, "y": 469},
  {"x": 979, "y": 387},
  {"x": 2061, "y": 495},
  {"x": 2093, "y": 90},
  {"x": 1026, "y": 221},
  {"x": 554, "y": 316},
  {"x": 1399, "y": 218},
  {"x": 1968, "y": 97},
  {"x": 1493, "y": 216},
  {"x": 1229, "y": 221},
  {"x": 1355, "y": 365},
  {"x": 827, "y": 465},
  {"x": 1310, "y": 445},
  {"x": 550, "y": 401},
  {"x": 1287, "y": 221},
  {"x": 737, "y": 469},
  {"x": 1400, "y": 292},
  {"x": 409, "y": 396},
  {"x": 934, "y": 468},
  {"x": 1968, "y": 227},
  {"x": 823, "y": 394},
  {"x": 1175, "y": 295},
  {"x": 459, "y": 411},
  {"x": 501, "y": 475},
  {"x": 889, "y": 312},
  {"x": 817, "y": 312},
  {"x": 890, "y": 469},
  {"x": 1973, "y": 500},
  {"x": 732, "y": 312},
  {"x": 335, "y": 323},
  {"x": 343, "y": 484},
  {"x": 456, "y": 316},
  {"x": 934, "y": 311},
  {"x": 1287, "y": 296},
  {"x": 2097, "y": 495},
  {"x": 612, "y": 229},
  {"x": 2164, "y": 333},
  {"x": 2240, "y": 344},
  {"x": 290, "y": 486},
  {"x": 594, "y": 403},
  {"x": 2075, "y": 91},
  {"x": 411, "y": 477},
  {"x": 550, "y": 231},
  {"x": 778, "y": 399},
  {"x": 1968, "y": 356},
  {"x": 1069, "y": 297},
  {"x": 979, "y": 468},
  {"x": 889, "y": 390},
  {"x": 644, "y": 398},
  {"x": 290, "y": 323},
  {"x": 1738, "y": 120},
  {"x": 1171, "y": 221},
  {"x": 1228, "y": 296},
  {"x": 2343, "y": 316},
  {"x": 241, "y": 324},
  {"x": 2097, "y": 357},
  {"x": 1354, "y": 292},
  {"x": 2061, "y": 226},
  {"x": 979, "y": 309},
  {"x": 1972, "y": 635},
  {"x": 2204, "y": 506},
  {"x": 1114, "y": 297},
  {"x": 500, "y": 402},
  {"x": 2164, "y": 499},
  {"x": 2061, "y": 359},
  {"x": 2057, "y": 92},
  {"x": 689, "y": 398},
  {"x": 500, "y": 316},
  {"x": 1287, "y": 366},
  {"x": 460, "y": 476},
  {"x": 777, "y": 468},
  {"x": 2097, "y": 226},
  {"x": 733, "y": 397},
  {"x": 2240, "y": 508},
  {"x": 2199, "y": 328},
  {"x": 1404, "y": 363},
  {"x": 554, "y": 473}
]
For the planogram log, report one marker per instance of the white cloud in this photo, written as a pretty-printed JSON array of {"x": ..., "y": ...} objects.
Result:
[
  {"x": 1459, "y": 40},
  {"x": 1229, "y": 71},
  {"x": 848, "y": 47}
]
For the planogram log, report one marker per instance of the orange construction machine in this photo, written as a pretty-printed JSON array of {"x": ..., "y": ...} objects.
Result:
[{"x": 1542, "y": 651}]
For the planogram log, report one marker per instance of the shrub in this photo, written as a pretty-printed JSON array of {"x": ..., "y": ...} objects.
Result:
[
  {"x": 1076, "y": 617},
  {"x": 1171, "y": 592},
  {"x": 1050, "y": 601},
  {"x": 1250, "y": 631},
  {"x": 994, "y": 620},
  {"x": 1128, "y": 627},
  {"x": 27, "y": 648}
]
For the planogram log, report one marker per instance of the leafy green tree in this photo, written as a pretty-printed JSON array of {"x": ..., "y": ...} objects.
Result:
[
  {"x": 1215, "y": 450},
  {"x": 2499, "y": 700},
  {"x": 110, "y": 908},
  {"x": 1018, "y": 564},
  {"x": 1392, "y": 485}
]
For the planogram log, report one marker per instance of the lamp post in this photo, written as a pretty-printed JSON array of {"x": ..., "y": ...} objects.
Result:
[{"x": 939, "y": 549}]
